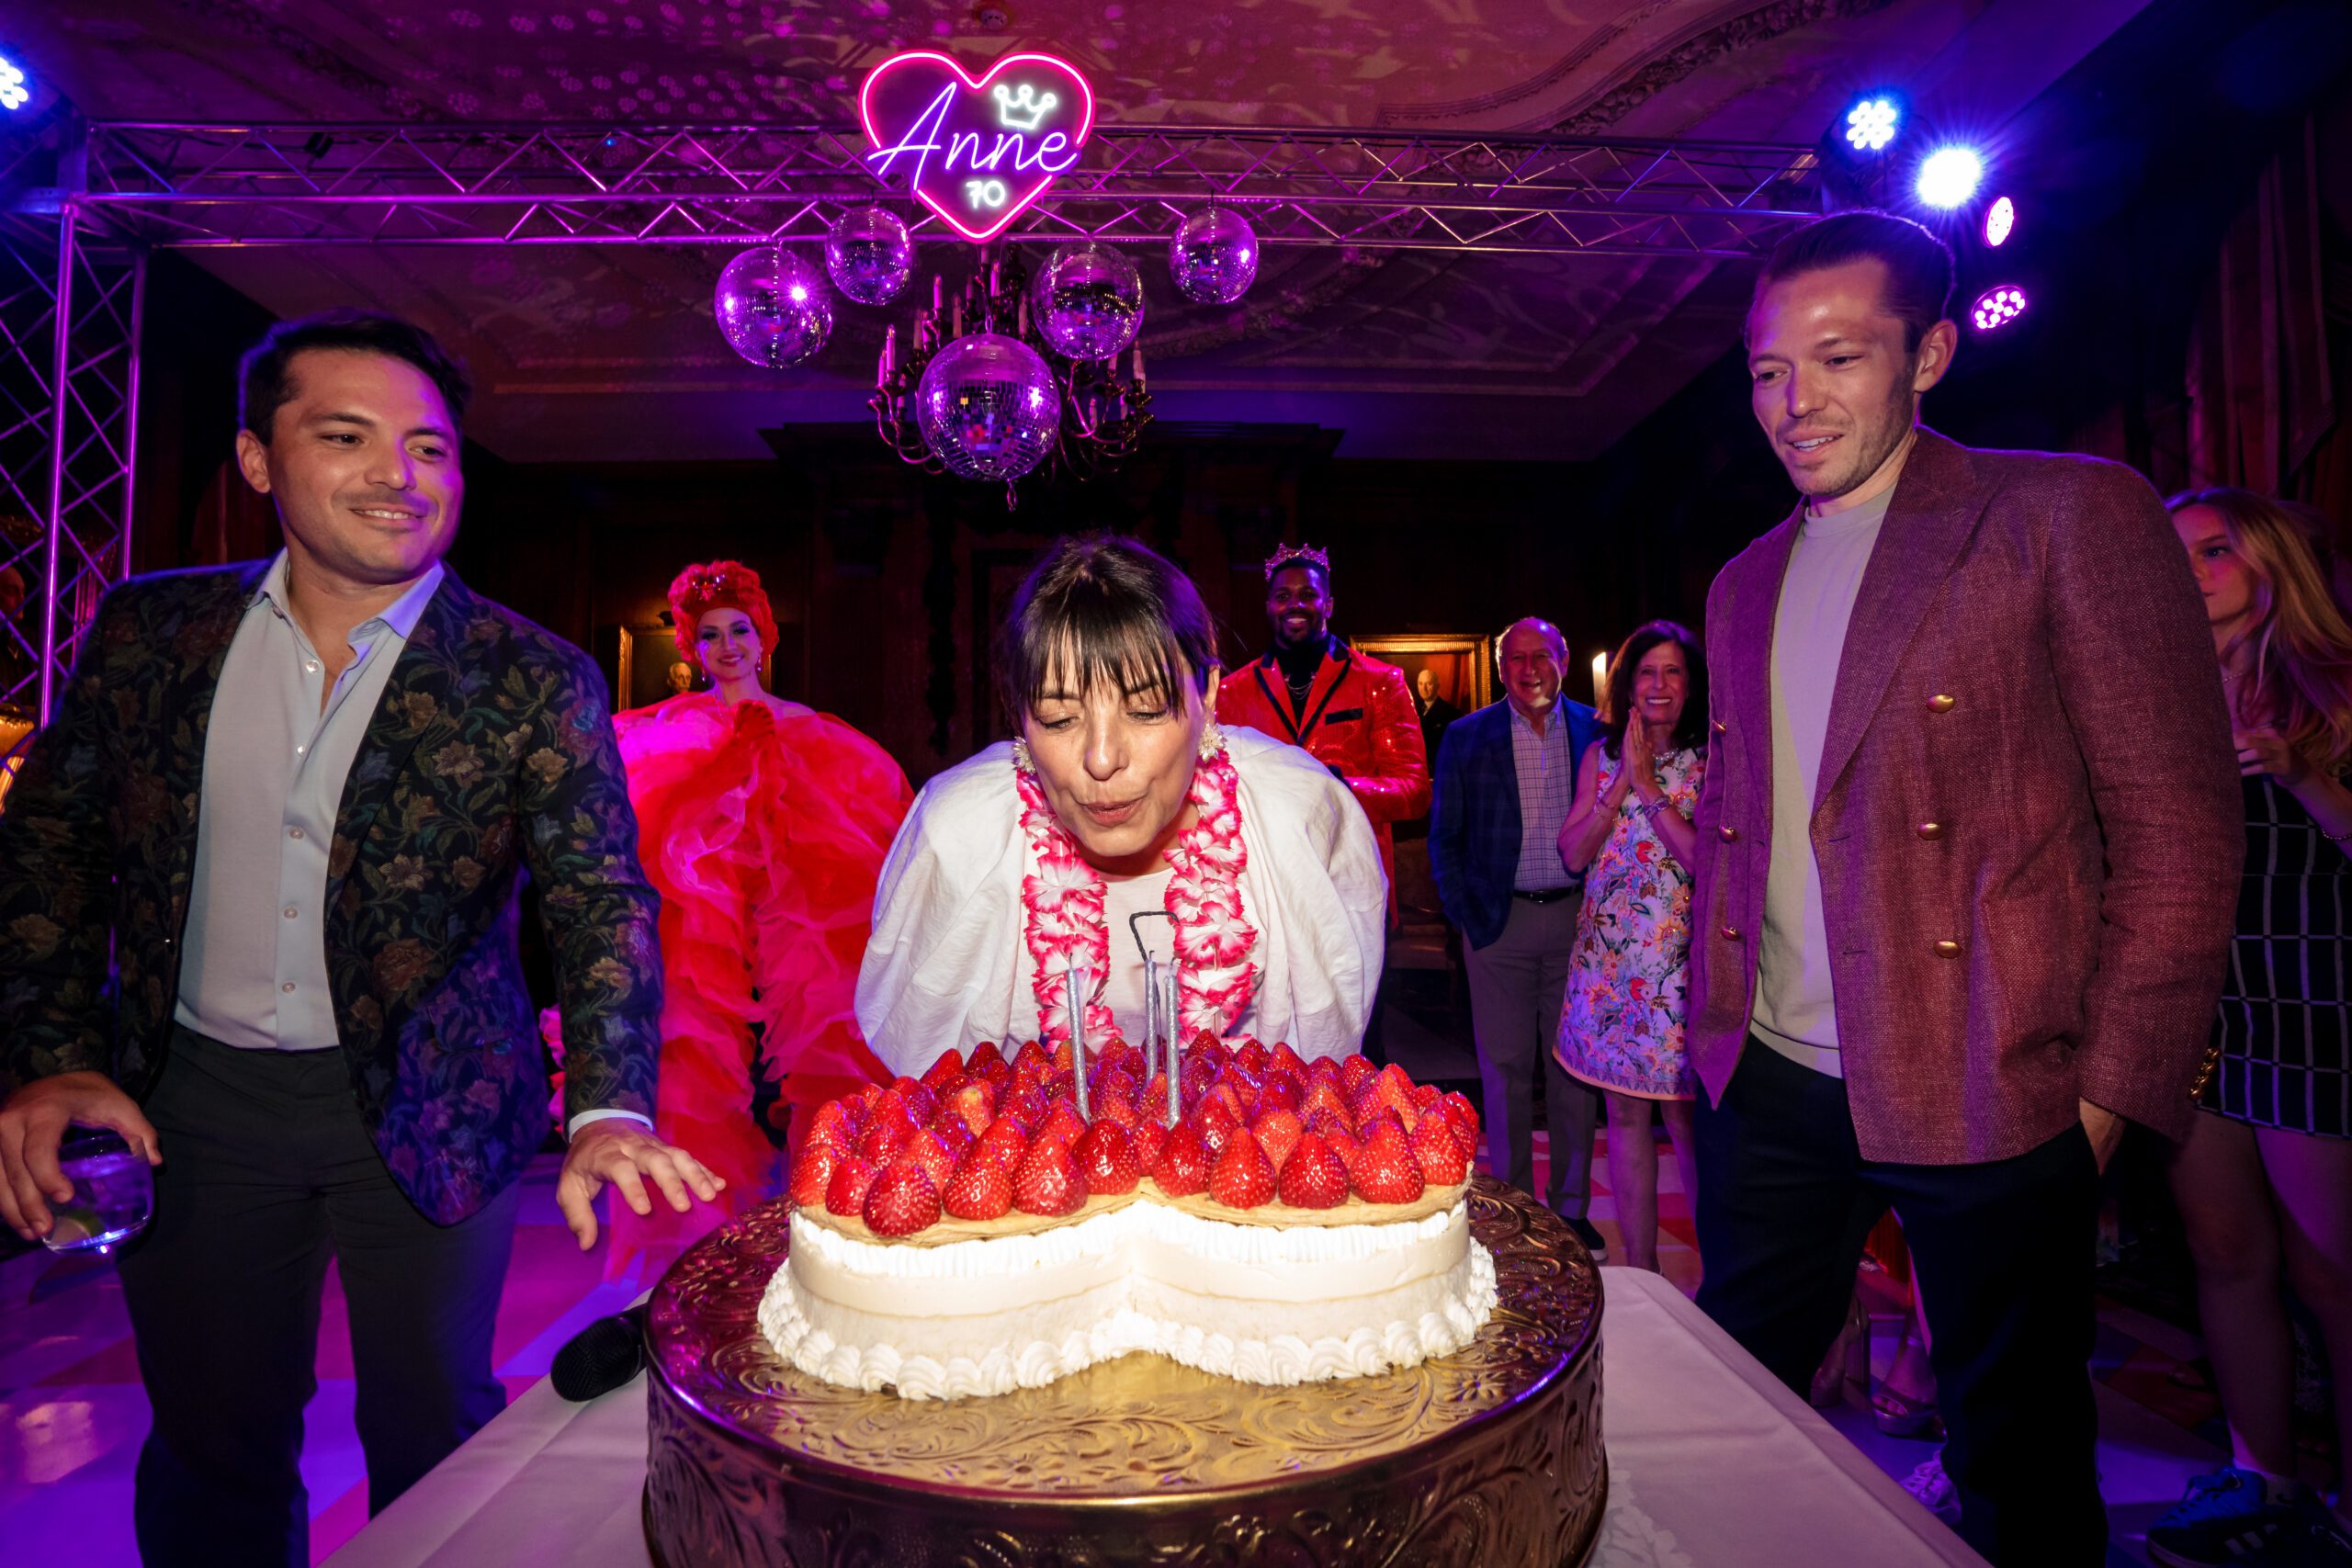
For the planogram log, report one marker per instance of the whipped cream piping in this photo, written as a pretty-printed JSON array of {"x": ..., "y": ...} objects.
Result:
[{"x": 1279, "y": 1359}]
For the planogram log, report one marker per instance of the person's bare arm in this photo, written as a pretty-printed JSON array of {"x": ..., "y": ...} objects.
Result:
[{"x": 1594, "y": 813}]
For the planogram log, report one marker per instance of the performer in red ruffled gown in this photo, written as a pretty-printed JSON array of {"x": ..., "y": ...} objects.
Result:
[{"x": 762, "y": 824}]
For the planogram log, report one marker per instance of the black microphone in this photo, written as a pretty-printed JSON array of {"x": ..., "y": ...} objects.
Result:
[{"x": 601, "y": 1357}]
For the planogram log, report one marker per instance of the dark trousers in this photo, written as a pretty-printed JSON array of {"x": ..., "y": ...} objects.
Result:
[
  {"x": 1516, "y": 983},
  {"x": 268, "y": 1171},
  {"x": 2004, "y": 1255}
]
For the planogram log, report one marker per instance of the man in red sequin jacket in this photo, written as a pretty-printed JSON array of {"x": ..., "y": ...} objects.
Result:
[{"x": 1354, "y": 715}]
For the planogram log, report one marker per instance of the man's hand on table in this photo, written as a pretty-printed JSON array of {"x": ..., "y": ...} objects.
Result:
[
  {"x": 32, "y": 1124},
  {"x": 624, "y": 1152}
]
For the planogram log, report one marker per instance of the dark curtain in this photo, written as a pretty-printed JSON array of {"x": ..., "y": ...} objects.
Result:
[{"x": 2261, "y": 402}]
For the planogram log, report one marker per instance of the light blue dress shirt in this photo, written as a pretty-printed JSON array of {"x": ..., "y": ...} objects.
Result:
[{"x": 1546, "y": 765}]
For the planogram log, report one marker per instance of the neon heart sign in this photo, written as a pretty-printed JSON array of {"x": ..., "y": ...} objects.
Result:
[{"x": 976, "y": 152}]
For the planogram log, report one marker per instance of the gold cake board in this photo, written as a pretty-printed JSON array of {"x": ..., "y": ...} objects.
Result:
[{"x": 1490, "y": 1456}]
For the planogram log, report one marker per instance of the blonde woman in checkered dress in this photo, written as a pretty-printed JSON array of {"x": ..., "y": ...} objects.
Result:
[{"x": 2264, "y": 1180}]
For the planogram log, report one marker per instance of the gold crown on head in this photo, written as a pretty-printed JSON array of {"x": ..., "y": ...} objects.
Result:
[{"x": 1297, "y": 555}]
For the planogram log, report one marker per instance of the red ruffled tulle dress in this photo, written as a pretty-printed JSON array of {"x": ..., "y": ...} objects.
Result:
[{"x": 765, "y": 836}]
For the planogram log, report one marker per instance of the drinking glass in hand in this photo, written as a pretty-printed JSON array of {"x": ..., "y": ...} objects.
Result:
[{"x": 113, "y": 1192}]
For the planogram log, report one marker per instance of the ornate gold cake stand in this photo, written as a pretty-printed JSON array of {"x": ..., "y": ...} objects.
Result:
[{"x": 1490, "y": 1456}]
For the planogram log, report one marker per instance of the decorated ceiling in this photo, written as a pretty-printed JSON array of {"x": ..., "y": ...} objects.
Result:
[{"x": 586, "y": 352}]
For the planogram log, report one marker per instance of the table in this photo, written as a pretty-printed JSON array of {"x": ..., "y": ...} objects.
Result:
[{"x": 1710, "y": 1461}]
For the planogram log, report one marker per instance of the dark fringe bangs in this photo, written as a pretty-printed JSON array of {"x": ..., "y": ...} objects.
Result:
[{"x": 1097, "y": 610}]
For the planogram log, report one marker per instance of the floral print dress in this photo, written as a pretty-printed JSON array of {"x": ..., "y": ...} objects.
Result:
[{"x": 1620, "y": 1022}]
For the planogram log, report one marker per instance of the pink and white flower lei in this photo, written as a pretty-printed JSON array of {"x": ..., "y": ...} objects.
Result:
[{"x": 1064, "y": 921}]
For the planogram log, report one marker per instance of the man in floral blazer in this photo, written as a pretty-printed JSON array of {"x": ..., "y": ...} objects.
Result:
[{"x": 259, "y": 893}]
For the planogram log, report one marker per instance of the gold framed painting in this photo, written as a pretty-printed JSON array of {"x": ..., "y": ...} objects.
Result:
[
  {"x": 1455, "y": 669},
  {"x": 645, "y": 665}
]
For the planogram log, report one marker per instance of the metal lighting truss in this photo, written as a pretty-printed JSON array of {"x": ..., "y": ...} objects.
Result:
[
  {"x": 196, "y": 186},
  {"x": 69, "y": 392},
  {"x": 71, "y": 272}
]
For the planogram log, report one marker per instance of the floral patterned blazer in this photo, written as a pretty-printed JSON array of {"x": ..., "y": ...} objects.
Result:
[{"x": 490, "y": 758}]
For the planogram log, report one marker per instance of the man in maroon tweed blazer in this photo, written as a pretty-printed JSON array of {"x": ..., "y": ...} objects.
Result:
[{"x": 1970, "y": 845}]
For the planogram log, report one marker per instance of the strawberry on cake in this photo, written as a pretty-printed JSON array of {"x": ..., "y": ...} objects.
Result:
[{"x": 972, "y": 1233}]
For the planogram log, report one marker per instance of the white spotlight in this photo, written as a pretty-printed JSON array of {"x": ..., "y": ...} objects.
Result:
[{"x": 1949, "y": 176}]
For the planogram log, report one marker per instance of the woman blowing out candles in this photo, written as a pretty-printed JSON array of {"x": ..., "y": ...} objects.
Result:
[{"x": 1121, "y": 796}]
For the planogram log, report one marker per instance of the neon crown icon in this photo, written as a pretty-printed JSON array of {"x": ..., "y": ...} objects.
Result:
[
  {"x": 1297, "y": 555},
  {"x": 1020, "y": 108}
]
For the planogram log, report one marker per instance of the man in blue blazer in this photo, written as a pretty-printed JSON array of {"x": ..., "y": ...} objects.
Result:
[{"x": 1506, "y": 777}]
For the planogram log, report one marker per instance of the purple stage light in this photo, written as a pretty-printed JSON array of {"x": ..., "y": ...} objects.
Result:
[
  {"x": 1871, "y": 124},
  {"x": 14, "y": 92},
  {"x": 1950, "y": 176},
  {"x": 1997, "y": 307},
  {"x": 1999, "y": 219}
]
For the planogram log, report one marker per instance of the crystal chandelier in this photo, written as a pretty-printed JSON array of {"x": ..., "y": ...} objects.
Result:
[{"x": 1103, "y": 413}]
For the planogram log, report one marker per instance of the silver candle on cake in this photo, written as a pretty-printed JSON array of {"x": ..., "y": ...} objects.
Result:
[
  {"x": 1171, "y": 1010},
  {"x": 1151, "y": 1015},
  {"x": 1076, "y": 981}
]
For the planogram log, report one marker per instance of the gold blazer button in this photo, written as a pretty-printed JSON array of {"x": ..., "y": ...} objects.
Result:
[
  {"x": 1730, "y": 833},
  {"x": 1941, "y": 702},
  {"x": 1722, "y": 729},
  {"x": 1731, "y": 933},
  {"x": 1931, "y": 830},
  {"x": 1947, "y": 950}
]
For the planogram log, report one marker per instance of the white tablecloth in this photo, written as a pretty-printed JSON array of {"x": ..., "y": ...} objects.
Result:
[{"x": 1709, "y": 1461}]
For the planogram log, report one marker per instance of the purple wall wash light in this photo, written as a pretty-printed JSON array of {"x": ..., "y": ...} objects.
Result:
[{"x": 1996, "y": 307}]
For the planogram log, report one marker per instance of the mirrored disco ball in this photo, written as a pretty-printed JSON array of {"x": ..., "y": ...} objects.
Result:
[
  {"x": 1212, "y": 256},
  {"x": 774, "y": 308},
  {"x": 988, "y": 407},
  {"x": 1088, "y": 302},
  {"x": 869, "y": 254}
]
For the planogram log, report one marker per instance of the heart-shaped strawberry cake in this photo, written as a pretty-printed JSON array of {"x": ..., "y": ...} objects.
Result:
[{"x": 973, "y": 1232}]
